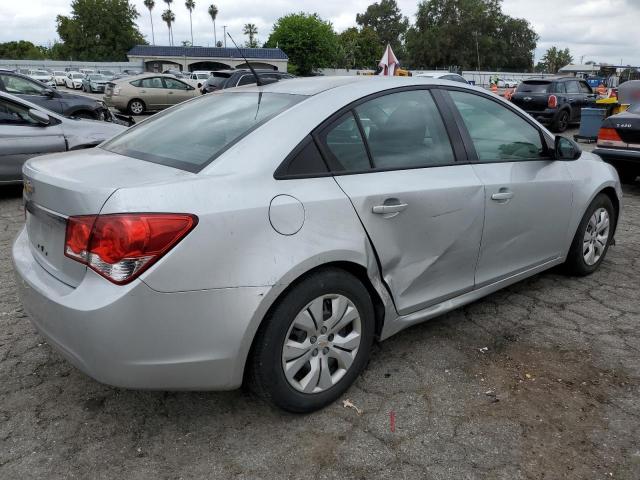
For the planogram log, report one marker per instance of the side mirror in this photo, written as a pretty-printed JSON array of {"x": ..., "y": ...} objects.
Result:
[
  {"x": 566, "y": 149},
  {"x": 47, "y": 92},
  {"x": 39, "y": 117}
]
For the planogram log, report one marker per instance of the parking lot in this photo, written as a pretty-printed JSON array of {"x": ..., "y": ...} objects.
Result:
[{"x": 541, "y": 380}]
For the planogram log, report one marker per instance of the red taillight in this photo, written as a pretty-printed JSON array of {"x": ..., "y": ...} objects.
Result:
[
  {"x": 553, "y": 101},
  {"x": 608, "y": 135},
  {"x": 121, "y": 246}
]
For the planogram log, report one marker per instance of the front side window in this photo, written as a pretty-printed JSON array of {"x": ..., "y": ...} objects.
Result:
[
  {"x": 176, "y": 137},
  {"x": 14, "y": 114},
  {"x": 498, "y": 134},
  {"x": 405, "y": 130},
  {"x": 584, "y": 87},
  {"x": 174, "y": 84},
  {"x": 21, "y": 86}
]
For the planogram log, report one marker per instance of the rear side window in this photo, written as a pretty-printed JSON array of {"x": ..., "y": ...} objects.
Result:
[
  {"x": 405, "y": 130},
  {"x": 572, "y": 87},
  {"x": 534, "y": 87},
  {"x": 559, "y": 88},
  {"x": 153, "y": 82},
  {"x": 498, "y": 134},
  {"x": 136, "y": 83},
  {"x": 177, "y": 138},
  {"x": 344, "y": 145},
  {"x": 304, "y": 161}
]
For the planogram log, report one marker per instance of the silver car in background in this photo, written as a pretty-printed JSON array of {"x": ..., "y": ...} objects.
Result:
[
  {"x": 27, "y": 130},
  {"x": 307, "y": 219}
]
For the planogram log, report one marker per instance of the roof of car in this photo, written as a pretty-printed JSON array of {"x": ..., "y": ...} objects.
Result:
[
  {"x": 315, "y": 85},
  {"x": 146, "y": 75},
  {"x": 550, "y": 79},
  {"x": 435, "y": 73}
]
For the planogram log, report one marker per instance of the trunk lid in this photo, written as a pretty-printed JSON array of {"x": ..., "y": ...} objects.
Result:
[
  {"x": 77, "y": 183},
  {"x": 532, "y": 95}
]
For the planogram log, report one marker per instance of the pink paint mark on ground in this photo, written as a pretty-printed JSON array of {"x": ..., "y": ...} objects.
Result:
[{"x": 392, "y": 421}]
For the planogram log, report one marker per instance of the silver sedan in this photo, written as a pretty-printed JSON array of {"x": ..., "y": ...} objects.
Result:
[
  {"x": 28, "y": 130},
  {"x": 271, "y": 234}
]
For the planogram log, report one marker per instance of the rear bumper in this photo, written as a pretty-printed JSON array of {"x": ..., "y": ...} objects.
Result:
[
  {"x": 545, "y": 117},
  {"x": 134, "y": 337},
  {"x": 618, "y": 155}
]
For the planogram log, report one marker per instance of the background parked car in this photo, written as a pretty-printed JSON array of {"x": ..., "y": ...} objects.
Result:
[
  {"x": 507, "y": 83},
  {"x": 86, "y": 71},
  {"x": 147, "y": 92},
  {"x": 43, "y": 76},
  {"x": 28, "y": 130},
  {"x": 106, "y": 73},
  {"x": 94, "y": 82},
  {"x": 619, "y": 143},
  {"x": 74, "y": 80},
  {"x": 64, "y": 103},
  {"x": 235, "y": 78},
  {"x": 443, "y": 75},
  {"x": 59, "y": 77},
  {"x": 176, "y": 73},
  {"x": 556, "y": 101}
]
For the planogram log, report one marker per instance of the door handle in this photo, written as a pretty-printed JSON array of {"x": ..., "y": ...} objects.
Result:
[
  {"x": 389, "y": 208},
  {"x": 502, "y": 196},
  {"x": 170, "y": 93}
]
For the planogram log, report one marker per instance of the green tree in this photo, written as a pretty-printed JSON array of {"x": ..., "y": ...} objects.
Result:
[
  {"x": 190, "y": 5},
  {"x": 471, "y": 34},
  {"x": 150, "y": 4},
  {"x": 359, "y": 48},
  {"x": 22, "y": 50},
  {"x": 169, "y": 17},
  {"x": 251, "y": 30},
  {"x": 99, "y": 30},
  {"x": 213, "y": 13},
  {"x": 387, "y": 21},
  {"x": 554, "y": 59},
  {"x": 309, "y": 41}
]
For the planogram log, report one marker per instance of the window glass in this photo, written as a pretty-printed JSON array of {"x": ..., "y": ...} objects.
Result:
[
  {"x": 246, "y": 80},
  {"x": 497, "y": 132},
  {"x": 153, "y": 82},
  {"x": 307, "y": 161},
  {"x": 174, "y": 84},
  {"x": 176, "y": 137},
  {"x": 19, "y": 85},
  {"x": 13, "y": 114},
  {"x": 345, "y": 145},
  {"x": 584, "y": 87},
  {"x": 405, "y": 130},
  {"x": 559, "y": 88},
  {"x": 572, "y": 87},
  {"x": 534, "y": 86},
  {"x": 136, "y": 83}
]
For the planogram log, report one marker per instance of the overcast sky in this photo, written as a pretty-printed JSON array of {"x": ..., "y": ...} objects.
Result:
[{"x": 599, "y": 30}]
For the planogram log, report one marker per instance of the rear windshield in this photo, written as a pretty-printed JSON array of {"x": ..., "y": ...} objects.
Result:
[
  {"x": 195, "y": 133},
  {"x": 635, "y": 108},
  {"x": 534, "y": 87},
  {"x": 218, "y": 79}
]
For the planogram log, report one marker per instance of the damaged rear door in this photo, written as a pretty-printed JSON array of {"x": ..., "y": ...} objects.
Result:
[{"x": 422, "y": 209}]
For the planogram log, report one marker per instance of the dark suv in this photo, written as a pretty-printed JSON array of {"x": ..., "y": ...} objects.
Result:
[
  {"x": 554, "y": 101},
  {"x": 236, "y": 78},
  {"x": 66, "y": 104}
]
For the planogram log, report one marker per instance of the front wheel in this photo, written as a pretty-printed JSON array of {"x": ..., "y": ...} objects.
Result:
[
  {"x": 315, "y": 343},
  {"x": 593, "y": 237},
  {"x": 136, "y": 107}
]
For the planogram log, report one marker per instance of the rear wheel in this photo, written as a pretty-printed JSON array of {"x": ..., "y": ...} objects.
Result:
[
  {"x": 315, "y": 343},
  {"x": 593, "y": 237},
  {"x": 136, "y": 107},
  {"x": 561, "y": 122}
]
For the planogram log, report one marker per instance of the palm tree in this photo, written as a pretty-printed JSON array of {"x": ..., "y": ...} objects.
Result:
[
  {"x": 168, "y": 17},
  {"x": 251, "y": 30},
  {"x": 190, "y": 4},
  {"x": 173, "y": 19},
  {"x": 150, "y": 4},
  {"x": 213, "y": 13}
]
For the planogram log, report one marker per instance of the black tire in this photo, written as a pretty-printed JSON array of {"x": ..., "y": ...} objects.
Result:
[
  {"x": 132, "y": 105},
  {"x": 575, "y": 263},
  {"x": 561, "y": 122},
  {"x": 265, "y": 374}
]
